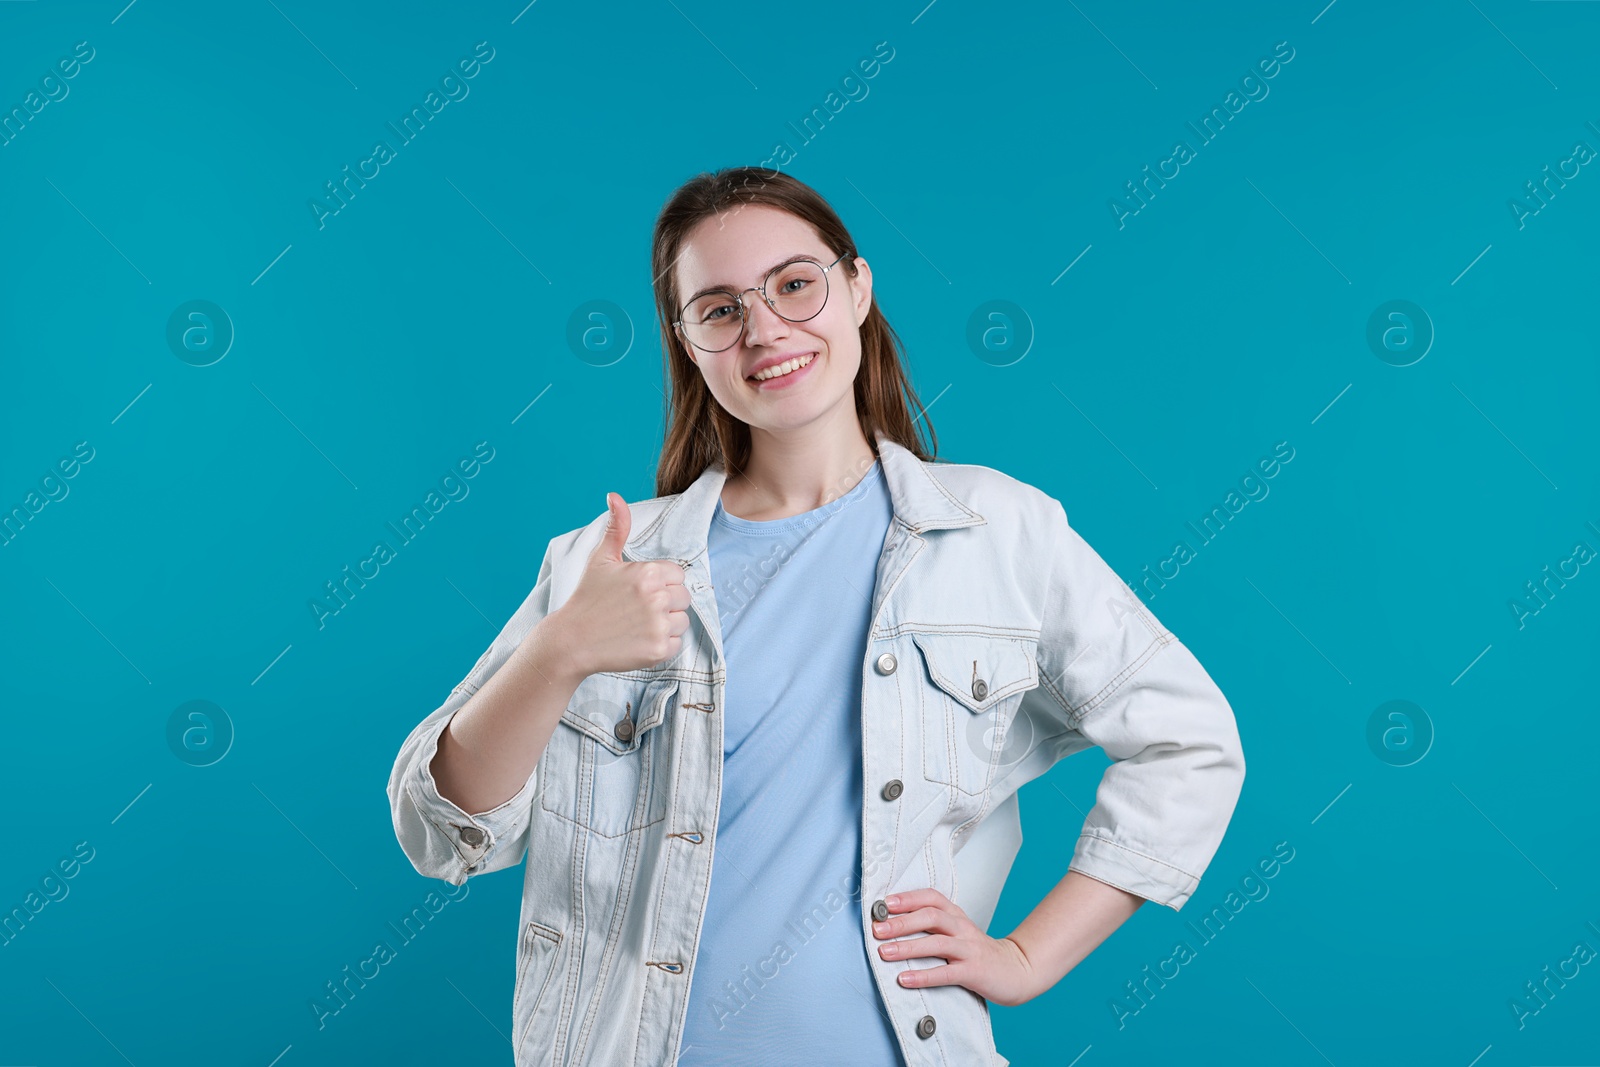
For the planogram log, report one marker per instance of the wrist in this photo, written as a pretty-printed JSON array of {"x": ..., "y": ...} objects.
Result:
[
  {"x": 1034, "y": 982},
  {"x": 550, "y": 652}
]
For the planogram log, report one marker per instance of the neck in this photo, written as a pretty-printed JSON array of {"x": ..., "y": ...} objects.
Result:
[{"x": 796, "y": 472}]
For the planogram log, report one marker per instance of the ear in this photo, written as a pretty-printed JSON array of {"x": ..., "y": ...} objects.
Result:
[{"x": 861, "y": 288}]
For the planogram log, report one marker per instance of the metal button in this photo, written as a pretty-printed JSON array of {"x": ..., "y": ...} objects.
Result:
[
  {"x": 893, "y": 789},
  {"x": 880, "y": 911},
  {"x": 980, "y": 689},
  {"x": 925, "y": 1026},
  {"x": 472, "y": 836},
  {"x": 623, "y": 730},
  {"x": 886, "y": 664}
]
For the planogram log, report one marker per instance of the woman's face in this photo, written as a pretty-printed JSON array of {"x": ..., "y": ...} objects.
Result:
[{"x": 736, "y": 251}]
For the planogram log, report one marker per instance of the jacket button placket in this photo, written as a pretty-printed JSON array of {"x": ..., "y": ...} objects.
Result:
[{"x": 885, "y": 665}]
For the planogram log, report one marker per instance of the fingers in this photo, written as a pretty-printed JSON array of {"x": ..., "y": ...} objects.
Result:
[
  {"x": 909, "y": 899},
  {"x": 915, "y": 910},
  {"x": 946, "y": 974},
  {"x": 662, "y": 584},
  {"x": 677, "y": 623},
  {"x": 940, "y": 945},
  {"x": 923, "y": 920},
  {"x": 939, "y": 929},
  {"x": 662, "y": 572}
]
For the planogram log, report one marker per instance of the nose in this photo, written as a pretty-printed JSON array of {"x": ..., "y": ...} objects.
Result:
[{"x": 762, "y": 325}]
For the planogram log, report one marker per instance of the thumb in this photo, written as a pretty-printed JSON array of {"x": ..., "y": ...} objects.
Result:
[{"x": 620, "y": 522}]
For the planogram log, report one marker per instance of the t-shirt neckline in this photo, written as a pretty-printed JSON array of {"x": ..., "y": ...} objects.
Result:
[{"x": 805, "y": 518}]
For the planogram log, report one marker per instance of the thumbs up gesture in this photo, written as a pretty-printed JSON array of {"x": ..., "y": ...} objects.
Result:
[{"x": 624, "y": 615}]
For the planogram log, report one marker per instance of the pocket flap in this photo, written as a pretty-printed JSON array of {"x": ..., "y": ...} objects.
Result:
[
  {"x": 549, "y": 933},
  {"x": 602, "y": 700},
  {"x": 965, "y": 665}
]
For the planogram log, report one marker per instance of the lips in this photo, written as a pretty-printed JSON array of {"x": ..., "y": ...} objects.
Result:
[{"x": 773, "y": 361}]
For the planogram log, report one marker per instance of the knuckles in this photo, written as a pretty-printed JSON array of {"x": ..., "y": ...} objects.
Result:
[
  {"x": 653, "y": 581},
  {"x": 656, "y": 574}
]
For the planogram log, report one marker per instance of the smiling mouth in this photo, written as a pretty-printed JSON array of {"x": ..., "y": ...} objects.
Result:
[{"x": 781, "y": 369}]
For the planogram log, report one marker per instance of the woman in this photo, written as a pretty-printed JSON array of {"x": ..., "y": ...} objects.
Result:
[{"x": 760, "y": 737}]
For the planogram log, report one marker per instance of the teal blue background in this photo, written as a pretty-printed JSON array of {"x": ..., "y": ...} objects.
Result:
[{"x": 1226, "y": 316}]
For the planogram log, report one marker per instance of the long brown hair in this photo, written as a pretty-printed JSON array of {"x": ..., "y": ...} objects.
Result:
[{"x": 699, "y": 430}]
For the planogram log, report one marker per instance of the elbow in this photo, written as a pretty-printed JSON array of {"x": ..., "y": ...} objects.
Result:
[
  {"x": 1232, "y": 757},
  {"x": 1234, "y": 765},
  {"x": 1236, "y": 782},
  {"x": 1233, "y": 748},
  {"x": 1219, "y": 761}
]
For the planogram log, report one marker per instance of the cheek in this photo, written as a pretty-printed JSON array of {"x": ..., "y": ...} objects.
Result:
[
  {"x": 844, "y": 347},
  {"x": 844, "y": 333},
  {"x": 848, "y": 367},
  {"x": 721, "y": 376}
]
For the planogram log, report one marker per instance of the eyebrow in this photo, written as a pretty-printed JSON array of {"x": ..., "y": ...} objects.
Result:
[{"x": 725, "y": 287}]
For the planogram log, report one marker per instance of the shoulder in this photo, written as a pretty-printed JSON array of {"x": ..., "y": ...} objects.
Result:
[{"x": 992, "y": 493}]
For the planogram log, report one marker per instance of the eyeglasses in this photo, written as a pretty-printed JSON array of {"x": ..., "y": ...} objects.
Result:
[{"x": 715, "y": 321}]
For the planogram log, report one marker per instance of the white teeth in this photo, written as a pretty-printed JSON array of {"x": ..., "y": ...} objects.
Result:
[{"x": 781, "y": 369}]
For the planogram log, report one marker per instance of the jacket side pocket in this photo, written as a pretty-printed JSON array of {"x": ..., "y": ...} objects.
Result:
[{"x": 536, "y": 963}]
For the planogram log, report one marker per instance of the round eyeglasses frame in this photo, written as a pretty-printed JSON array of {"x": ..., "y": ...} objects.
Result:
[{"x": 744, "y": 310}]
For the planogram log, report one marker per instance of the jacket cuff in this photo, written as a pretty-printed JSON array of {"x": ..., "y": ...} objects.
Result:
[
  {"x": 1117, "y": 865},
  {"x": 474, "y": 839}
]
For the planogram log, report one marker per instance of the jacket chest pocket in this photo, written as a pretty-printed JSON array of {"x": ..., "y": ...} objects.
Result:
[
  {"x": 536, "y": 957},
  {"x": 971, "y": 689},
  {"x": 604, "y": 768}
]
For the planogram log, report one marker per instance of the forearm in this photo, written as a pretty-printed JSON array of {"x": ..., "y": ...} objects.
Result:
[
  {"x": 494, "y": 741},
  {"x": 1069, "y": 923}
]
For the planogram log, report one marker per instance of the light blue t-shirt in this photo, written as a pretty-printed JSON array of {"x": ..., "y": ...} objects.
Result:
[{"x": 781, "y": 975}]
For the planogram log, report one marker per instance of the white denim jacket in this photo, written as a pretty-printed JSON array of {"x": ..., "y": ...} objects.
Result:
[{"x": 1000, "y": 643}]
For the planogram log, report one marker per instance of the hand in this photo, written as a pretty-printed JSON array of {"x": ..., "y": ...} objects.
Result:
[
  {"x": 623, "y": 615},
  {"x": 995, "y": 969}
]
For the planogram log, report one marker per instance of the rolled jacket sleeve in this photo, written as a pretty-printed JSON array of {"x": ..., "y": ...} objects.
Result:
[
  {"x": 438, "y": 837},
  {"x": 1129, "y": 686}
]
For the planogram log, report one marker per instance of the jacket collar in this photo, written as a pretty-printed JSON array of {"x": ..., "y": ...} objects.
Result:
[{"x": 921, "y": 502}]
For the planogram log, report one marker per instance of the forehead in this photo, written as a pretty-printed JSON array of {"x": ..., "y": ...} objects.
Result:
[{"x": 737, "y": 247}]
